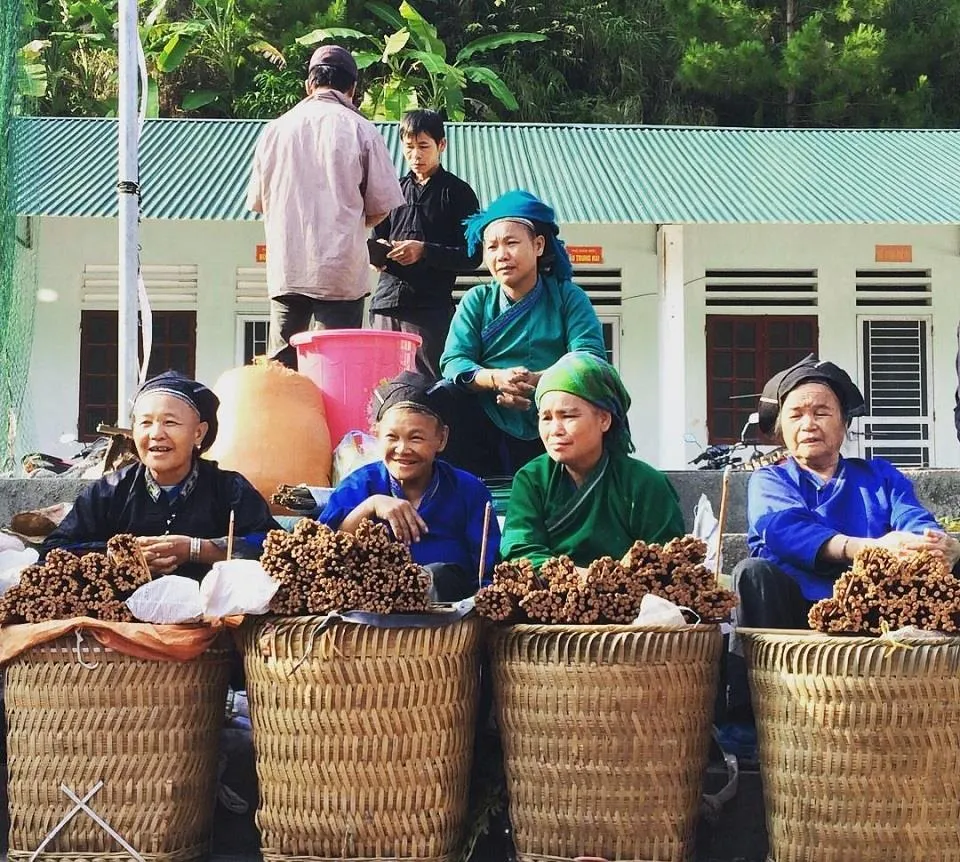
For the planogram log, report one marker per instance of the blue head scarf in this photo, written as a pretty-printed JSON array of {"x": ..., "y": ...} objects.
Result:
[{"x": 521, "y": 204}]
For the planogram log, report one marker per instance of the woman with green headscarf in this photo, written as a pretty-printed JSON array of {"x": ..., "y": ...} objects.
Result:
[
  {"x": 586, "y": 498},
  {"x": 507, "y": 331}
]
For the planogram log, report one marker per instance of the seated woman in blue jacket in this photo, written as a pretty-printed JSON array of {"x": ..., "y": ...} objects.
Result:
[
  {"x": 808, "y": 516},
  {"x": 437, "y": 509}
]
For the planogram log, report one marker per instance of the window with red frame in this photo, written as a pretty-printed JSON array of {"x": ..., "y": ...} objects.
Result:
[{"x": 743, "y": 352}]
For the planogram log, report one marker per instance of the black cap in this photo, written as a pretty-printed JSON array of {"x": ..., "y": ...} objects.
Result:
[
  {"x": 334, "y": 55},
  {"x": 783, "y": 382},
  {"x": 413, "y": 390}
]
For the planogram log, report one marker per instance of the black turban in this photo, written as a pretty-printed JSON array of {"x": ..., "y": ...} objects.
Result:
[
  {"x": 409, "y": 389},
  {"x": 198, "y": 396},
  {"x": 781, "y": 384}
]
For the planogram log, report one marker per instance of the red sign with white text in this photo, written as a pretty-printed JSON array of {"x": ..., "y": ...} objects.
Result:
[{"x": 585, "y": 253}]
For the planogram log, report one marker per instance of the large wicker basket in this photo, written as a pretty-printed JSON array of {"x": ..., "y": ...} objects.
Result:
[
  {"x": 363, "y": 736},
  {"x": 859, "y": 747},
  {"x": 605, "y": 732},
  {"x": 79, "y": 714}
]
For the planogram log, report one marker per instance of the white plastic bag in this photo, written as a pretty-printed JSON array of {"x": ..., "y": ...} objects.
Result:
[
  {"x": 166, "y": 601},
  {"x": 12, "y": 563},
  {"x": 237, "y": 587},
  {"x": 707, "y": 528},
  {"x": 658, "y": 611},
  {"x": 353, "y": 451}
]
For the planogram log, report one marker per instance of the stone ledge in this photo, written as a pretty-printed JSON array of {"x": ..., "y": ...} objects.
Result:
[{"x": 938, "y": 489}]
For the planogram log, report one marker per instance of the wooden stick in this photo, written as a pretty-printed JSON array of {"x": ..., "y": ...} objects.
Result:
[
  {"x": 230, "y": 536},
  {"x": 483, "y": 542},
  {"x": 724, "y": 486}
]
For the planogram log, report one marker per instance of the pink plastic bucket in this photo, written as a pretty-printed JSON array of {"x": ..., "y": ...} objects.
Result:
[{"x": 347, "y": 365}]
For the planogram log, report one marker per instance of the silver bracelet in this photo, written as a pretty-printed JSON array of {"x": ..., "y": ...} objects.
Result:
[{"x": 195, "y": 550}]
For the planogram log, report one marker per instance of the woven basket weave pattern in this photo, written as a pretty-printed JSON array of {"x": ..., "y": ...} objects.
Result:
[
  {"x": 364, "y": 737},
  {"x": 148, "y": 729},
  {"x": 859, "y": 747},
  {"x": 605, "y": 733}
]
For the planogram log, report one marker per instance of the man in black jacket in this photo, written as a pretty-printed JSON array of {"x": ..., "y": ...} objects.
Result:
[{"x": 427, "y": 242}]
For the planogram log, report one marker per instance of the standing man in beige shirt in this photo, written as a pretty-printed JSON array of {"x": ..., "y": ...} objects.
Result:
[{"x": 322, "y": 177}]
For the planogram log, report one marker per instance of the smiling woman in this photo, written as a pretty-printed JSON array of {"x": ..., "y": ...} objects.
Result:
[
  {"x": 436, "y": 509},
  {"x": 177, "y": 503}
]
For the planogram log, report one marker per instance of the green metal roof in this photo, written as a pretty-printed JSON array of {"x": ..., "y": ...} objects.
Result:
[{"x": 198, "y": 169}]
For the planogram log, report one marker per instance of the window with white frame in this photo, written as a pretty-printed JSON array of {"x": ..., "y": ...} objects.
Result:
[{"x": 252, "y": 333}]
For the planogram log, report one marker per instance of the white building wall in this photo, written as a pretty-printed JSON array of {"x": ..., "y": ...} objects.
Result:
[
  {"x": 836, "y": 252},
  {"x": 66, "y": 245}
]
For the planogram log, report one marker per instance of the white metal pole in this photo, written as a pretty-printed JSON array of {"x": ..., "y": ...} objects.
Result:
[{"x": 129, "y": 212}]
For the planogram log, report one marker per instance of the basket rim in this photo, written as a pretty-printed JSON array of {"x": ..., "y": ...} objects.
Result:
[
  {"x": 800, "y": 636},
  {"x": 606, "y": 628}
]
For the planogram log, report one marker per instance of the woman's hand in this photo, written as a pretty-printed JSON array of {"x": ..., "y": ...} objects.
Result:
[
  {"x": 514, "y": 387},
  {"x": 404, "y": 520},
  {"x": 938, "y": 543},
  {"x": 164, "y": 554}
]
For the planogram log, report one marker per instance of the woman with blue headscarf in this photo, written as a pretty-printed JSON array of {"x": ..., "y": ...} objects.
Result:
[
  {"x": 506, "y": 332},
  {"x": 586, "y": 497}
]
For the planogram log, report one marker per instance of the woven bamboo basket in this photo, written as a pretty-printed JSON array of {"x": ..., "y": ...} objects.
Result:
[
  {"x": 79, "y": 714},
  {"x": 606, "y": 732},
  {"x": 859, "y": 747},
  {"x": 363, "y": 737}
]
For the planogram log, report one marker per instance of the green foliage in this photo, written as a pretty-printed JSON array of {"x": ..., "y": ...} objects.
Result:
[
  {"x": 731, "y": 62},
  {"x": 830, "y": 63},
  {"x": 410, "y": 68}
]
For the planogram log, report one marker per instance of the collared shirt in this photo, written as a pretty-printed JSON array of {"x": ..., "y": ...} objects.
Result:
[
  {"x": 452, "y": 507},
  {"x": 433, "y": 214},
  {"x": 792, "y": 513},
  {"x": 319, "y": 171}
]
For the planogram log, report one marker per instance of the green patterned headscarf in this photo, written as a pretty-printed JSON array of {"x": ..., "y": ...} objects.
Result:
[{"x": 594, "y": 380}]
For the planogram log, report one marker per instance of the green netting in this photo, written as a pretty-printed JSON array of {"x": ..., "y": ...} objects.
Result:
[{"x": 17, "y": 268}]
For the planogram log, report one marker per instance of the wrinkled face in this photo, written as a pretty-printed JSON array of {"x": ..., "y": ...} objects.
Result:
[
  {"x": 572, "y": 430},
  {"x": 812, "y": 424},
  {"x": 411, "y": 442},
  {"x": 423, "y": 153},
  {"x": 510, "y": 252},
  {"x": 166, "y": 430}
]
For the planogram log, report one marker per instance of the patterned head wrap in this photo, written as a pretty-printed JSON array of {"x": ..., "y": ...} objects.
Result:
[
  {"x": 597, "y": 381},
  {"x": 198, "y": 396},
  {"x": 411, "y": 390},
  {"x": 520, "y": 205},
  {"x": 784, "y": 382}
]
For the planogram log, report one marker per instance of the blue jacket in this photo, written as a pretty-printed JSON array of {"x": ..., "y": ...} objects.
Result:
[
  {"x": 452, "y": 507},
  {"x": 791, "y": 513}
]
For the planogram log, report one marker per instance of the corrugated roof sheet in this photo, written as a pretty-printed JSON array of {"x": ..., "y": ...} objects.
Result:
[{"x": 198, "y": 169}]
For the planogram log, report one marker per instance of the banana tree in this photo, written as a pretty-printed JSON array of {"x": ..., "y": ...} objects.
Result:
[
  {"x": 417, "y": 71},
  {"x": 225, "y": 39}
]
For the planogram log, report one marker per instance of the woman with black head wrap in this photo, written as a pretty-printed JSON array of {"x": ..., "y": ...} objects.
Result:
[
  {"x": 178, "y": 503},
  {"x": 808, "y": 516},
  {"x": 429, "y": 505}
]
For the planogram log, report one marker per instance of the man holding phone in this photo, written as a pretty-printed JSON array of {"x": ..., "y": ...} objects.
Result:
[
  {"x": 322, "y": 177},
  {"x": 420, "y": 247}
]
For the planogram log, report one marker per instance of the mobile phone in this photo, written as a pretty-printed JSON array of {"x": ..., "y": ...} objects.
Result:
[{"x": 378, "y": 252}]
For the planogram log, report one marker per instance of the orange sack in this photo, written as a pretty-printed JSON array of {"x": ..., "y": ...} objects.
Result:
[{"x": 272, "y": 428}]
